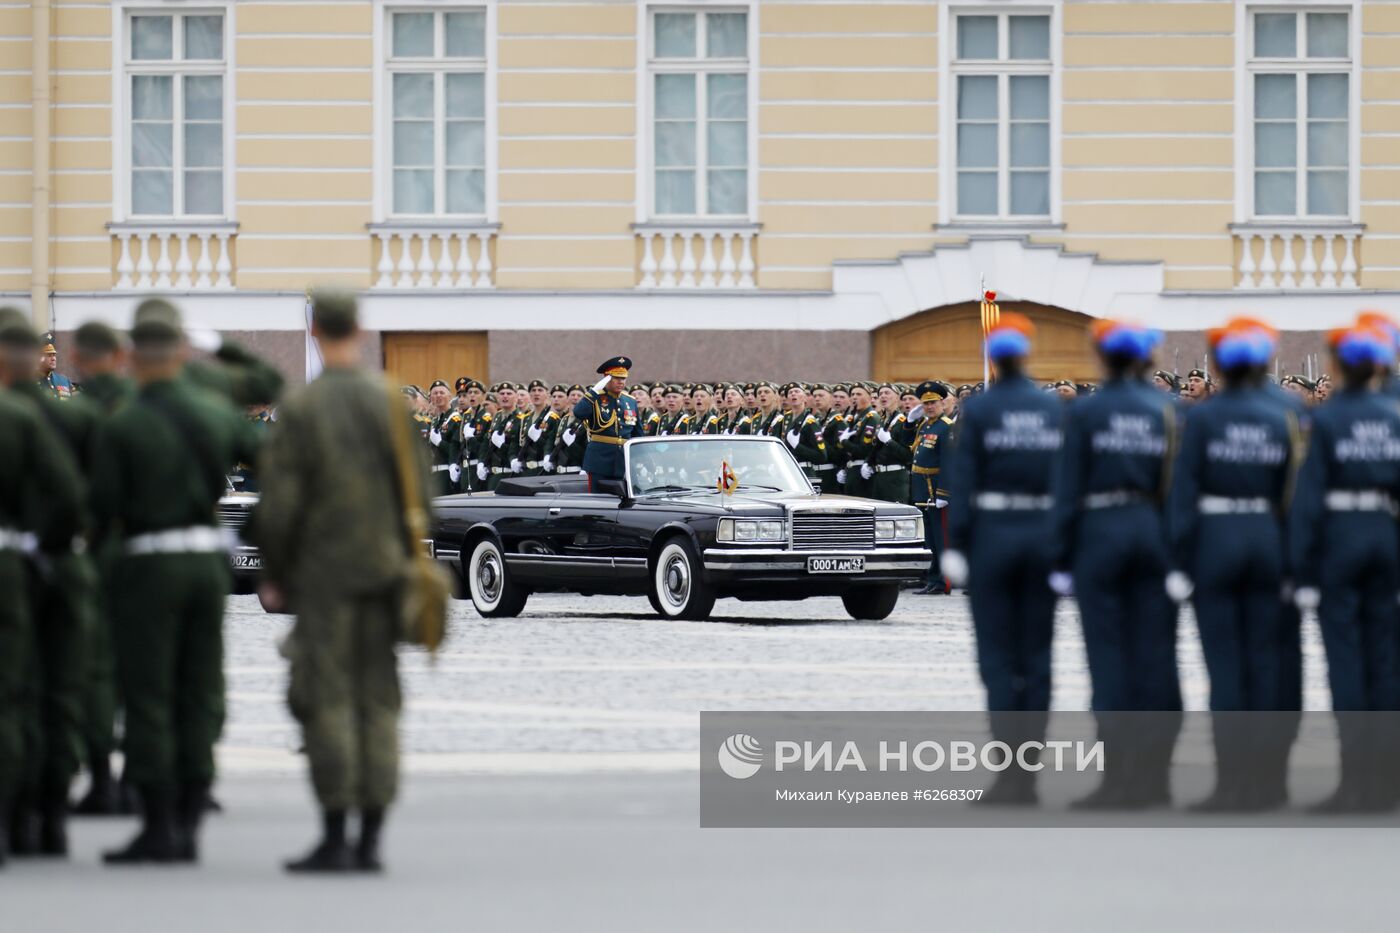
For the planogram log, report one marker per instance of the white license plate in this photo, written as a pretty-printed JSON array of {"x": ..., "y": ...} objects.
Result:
[
  {"x": 246, "y": 561},
  {"x": 836, "y": 565}
]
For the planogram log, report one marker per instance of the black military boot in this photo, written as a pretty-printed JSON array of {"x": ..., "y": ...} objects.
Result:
[
  {"x": 332, "y": 854},
  {"x": 189, "y": 813},
  {"x": 24, "y": 826},
  {"x": 367, "y": 852},
  {"x": 157, "y": 840},
  {"x": 102, "y": 797},
  {"x": 53, "y": 820}
]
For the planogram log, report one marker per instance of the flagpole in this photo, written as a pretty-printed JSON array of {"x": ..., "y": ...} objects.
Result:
[
  {"x": 314, "y": 363},
  {"x": 982, "y": 299}
]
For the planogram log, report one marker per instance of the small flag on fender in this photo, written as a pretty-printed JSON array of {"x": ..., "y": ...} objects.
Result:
[{"x": 728, "y": 481}]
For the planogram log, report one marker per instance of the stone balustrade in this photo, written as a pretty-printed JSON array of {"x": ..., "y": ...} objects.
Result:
[
  {"x": 433, "y": 256},
  {"x": 699, "y": 256},
  {"x": 173, "y": 256},
  {"x": 1297, "y": 257}
]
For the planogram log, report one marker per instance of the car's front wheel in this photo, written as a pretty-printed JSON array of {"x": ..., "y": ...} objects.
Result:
[
  {"x": 871, "y": 602},
  {"x": 678, "y": 588},
  {"x": 493, "y": 593}
]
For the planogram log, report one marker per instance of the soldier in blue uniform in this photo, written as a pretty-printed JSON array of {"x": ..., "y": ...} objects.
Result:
[
  {"x": 610, "y": 415},
  {"x": 1006, "y": 444},
  {"x": 1108, "y": 547},
  {"x": 1225, "y": 523},
  {"x": 1346, "y": 560},
  {"x": 57, "y": 384},
  {"x": 926, "y": 483}
]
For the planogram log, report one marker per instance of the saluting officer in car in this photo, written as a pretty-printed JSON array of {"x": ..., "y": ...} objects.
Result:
[{"x": 610, "y": 415}]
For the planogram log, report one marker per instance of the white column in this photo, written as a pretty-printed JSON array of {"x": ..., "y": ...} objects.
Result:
[
  {"x": 483, "y": 263},
  {"x": 183, "y": 266},
  {"x": 1349, "y": 264},
  {"x": 124, "y": 264},
  {"x": 746, "y": 263},
  {"x": 1247, "y": 266},
  {"x": 385, "y": 267},
  {"x": 163, "y": 264},
  {"x": 707, "y": 263},
  {"x": 687, "y": 259},
  {"x": 1309, "y": 266},
  {"x": 405, "y": 267},
  {"x": 144, "y": 265},
  {"x": 425, "y": 261},
  {"x": 668, "y": 260},
  {"x": 205, "y": 265},
  {"x": 444, "y": 263},
  {"x": 648, "y": 260},
  {"x": 223, "y": 269},
  {"x": 727, "y": 265},
  {"x": 1288, "y": 266},
  {"x": 463, "y": 266},
  {"x": 1268, "y": 269},
  {"x": 1329, "y": 260}
]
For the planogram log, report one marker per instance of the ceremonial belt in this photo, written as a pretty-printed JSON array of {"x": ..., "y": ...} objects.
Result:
[
  {"x": 532, "y": 464},
  {"x": 925, "y": 471},
  {"x": 890, "y": 467},
  {"x": 500, "y": 469},
  {"x": 1224, "y": 505},
  {"x": 442, "y": 466},
  {"x": 1113, "y": 498},
  {"x": 818, "y": 467},
  {"x": 577, "y": 469},
  {"x": 199, "y": 539},
  {"x": 855, "y": 463},
  {"x": 1360, "y": 500},
  {"x": 606, "y": 439},
  {"x": 1011, "y": 502},
  {"x": 25, "y": 542}
]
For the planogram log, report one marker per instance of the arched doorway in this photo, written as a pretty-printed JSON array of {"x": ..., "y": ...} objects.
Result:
[{"x": 946, "y": 343}]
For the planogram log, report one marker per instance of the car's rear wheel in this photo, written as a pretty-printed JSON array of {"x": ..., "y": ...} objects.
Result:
[
  {"x": 494, "y": 594},
  {"x": 678, "y": 589},
  {"x": 871, "y": 602}
]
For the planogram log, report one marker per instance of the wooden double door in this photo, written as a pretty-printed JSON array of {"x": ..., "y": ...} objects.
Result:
[{"x": 419, "y": 358}]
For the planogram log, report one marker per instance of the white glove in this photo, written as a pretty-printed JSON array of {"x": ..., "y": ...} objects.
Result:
[
  {"x": 569, "y": 438},
  {"x": 515, "y": 465},
  {"x": 866, "y": 471},
  {"x": 883, "y": 436},
  {"x": 549, "y": 464},
  {"x": 954, "y": 567},
  {"x": 601, "y": 384},
  {"x": 793, "y": 438},
  {"x": 454, "y": 472},
  {"x": 940, "y": 503},
  {"x": 841, "y": 477},
  {"x": 435, "y": 437},
  {"x": 1307, "y": 597},
  {"x": 1062, "y": 583},
  {"x": 535, "y": 432},
  {"x": 206, "y": 341},
  {"x": 1179, "y": 586},
  {"x": 845, "y": 435},
  {"x": 481, "y": 472},
  {"x": 498, "y": 440},
  {"x": 468, "y": 432}
]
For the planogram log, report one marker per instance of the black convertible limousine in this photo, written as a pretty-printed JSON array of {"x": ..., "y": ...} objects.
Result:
[{"x": 670, "y": 532}]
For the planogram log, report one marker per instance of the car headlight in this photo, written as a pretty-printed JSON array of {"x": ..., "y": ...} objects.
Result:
[
  {"x": 746, "y": 531},
  {"x": 884, "y": 529},
  {"x": 909, "y": 528}
]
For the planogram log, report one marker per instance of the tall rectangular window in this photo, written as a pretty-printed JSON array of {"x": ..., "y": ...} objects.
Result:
[
  {"x": 1001, "y": 67},
  {"x": 1300, "y": 77},
  {"x": 176, "y": 64},
  {"x": 437, "y": 98},
  {"x": 699, "y": 73}
]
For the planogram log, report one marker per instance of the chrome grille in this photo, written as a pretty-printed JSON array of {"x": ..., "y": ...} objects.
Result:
[
  {"x": 232, "y": 516},
  {"x": 820, "y": 531}
]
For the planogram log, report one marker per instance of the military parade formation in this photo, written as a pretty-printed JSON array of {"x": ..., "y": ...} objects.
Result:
[{"x": 1255, "y": 500}]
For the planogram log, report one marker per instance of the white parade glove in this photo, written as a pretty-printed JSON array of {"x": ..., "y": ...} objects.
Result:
[
  {"x": 1179, "y": 586},
  {"x": 515, "y": 465},
  {"x": 454, "y": 472},
  {"x": 954, "y": 567},
  {"x": 1307, "y": 597},
  {"x": 468, "y": 432},
  {"x": 841, "y": 477},
  {"x": 601, "y": 384},
  {"x": 793, "y": 438},
  {"x": 206, "y": 341},
  {"x": 845, "y": 435},
  {"x": 940, "y": 503},
  {"x": 498, "y": 440},
  {"x": 883, "y": 436},
  {"x": 549, "y": 464},
  {"x": 435, "y": 437},
  {"x": 866, "y": 471},
  {"x": 481, "y": 472},
  {"x": 1062, "y": 583},
  {"x": 535, "y": 432},
  {"x": 569, "y": 438}
]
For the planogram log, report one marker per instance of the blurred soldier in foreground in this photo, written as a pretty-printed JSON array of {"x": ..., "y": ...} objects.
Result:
[
  {"x": 158, "y": 474},
  {"x": 1007, "y": 441},
  {"x": 332, "y": 532},
  {"x": 1106, "y": 530}
]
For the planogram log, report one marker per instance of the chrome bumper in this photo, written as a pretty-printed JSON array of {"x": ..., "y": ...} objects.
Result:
[{"x": 879, "y": 560}]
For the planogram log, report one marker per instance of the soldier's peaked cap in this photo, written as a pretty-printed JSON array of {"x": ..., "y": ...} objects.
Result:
[
  {"x": 336, "y": 313},
  {"x": 156, "y": 320},
  {"x": 47, "y": 342},
  {"x": 617, "y": 366},
  {"x": 930, "y": 391},
  {"x": 96, "y": 338},
  {"x": 15, "y": 328}
]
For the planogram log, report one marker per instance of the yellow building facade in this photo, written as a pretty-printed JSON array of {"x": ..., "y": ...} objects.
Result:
[{"x": 719, "y": 189}]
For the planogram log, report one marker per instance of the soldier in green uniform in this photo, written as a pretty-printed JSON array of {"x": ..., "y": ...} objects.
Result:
[
  {"x": 859, "y": 444},
  {"x": 895, "y": 450},
  {"x": 672, "y": 419},
  {"x": 830, "y": 423},
  {"x": 158, "y": 473},
  {"x": 736, "y": 419},
  {"x": 540, "y": 428},
  {"x": 572, "y": 438},
  {"x": 769, "y": 420},
  {"x": 648, "y": 417},
  {"x": 332, "y": 533},
  {"x": 516, "y": 430},
  {"x": 445, "y": 439},
  {"x": 802, "y": 432},
  {"x": 497, "y": 453},
  {"x": 707, "y": 419},
  {"x": 475, "y": 419},
  {"x": 40, "y": 510}
]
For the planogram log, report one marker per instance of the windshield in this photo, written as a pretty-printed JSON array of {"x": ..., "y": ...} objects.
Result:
[{"x": 680, "y": 465}]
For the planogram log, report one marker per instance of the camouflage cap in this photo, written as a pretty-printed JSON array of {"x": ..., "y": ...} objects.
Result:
[
  {"x": 97, "y": 339},
  {"x": 156, "y": 321},
  {"x": 16, "y": 329},
  {"x": 335, "y": 313}
]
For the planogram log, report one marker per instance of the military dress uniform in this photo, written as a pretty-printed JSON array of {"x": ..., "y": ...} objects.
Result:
[
  {"x": 893, "y": 457},
  {"x": 537, "y": 442},
  {"x": 445, "y": 444},
  {"x": 802, "y": 433},
  {"x": 926, "y": 483},
  {"x": 859, "y": 445},
  {"x": 831, "y": 427},
  {"x": 570, "y": 444},
  {"x": 610, "y": 419}
]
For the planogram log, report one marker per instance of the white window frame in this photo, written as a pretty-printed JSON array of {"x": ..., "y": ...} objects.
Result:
[
  {"x": 949, "y": 70},
  {"x": 122, "y": 12},
  {"x": 646, "y": 92},
  {"x": 383, "y": 103},
  {"x": 1244, "y": 111}
]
